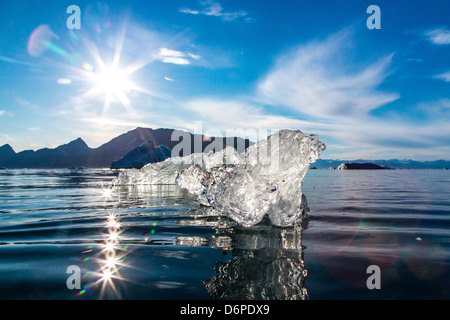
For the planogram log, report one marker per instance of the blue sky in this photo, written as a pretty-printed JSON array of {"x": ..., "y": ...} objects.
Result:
[{"x": 233, "y": 66}]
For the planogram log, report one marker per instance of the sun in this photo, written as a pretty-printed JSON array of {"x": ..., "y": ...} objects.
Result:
[
  {"x": 111, "y": 84},
  {"x": 113, "y": 80}
]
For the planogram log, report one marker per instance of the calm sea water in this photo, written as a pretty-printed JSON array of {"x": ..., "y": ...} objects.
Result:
[{"x": 156, "y": 242}]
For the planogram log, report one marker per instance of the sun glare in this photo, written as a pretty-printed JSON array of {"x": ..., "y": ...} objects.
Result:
[
  {"x": 106, "y": 275},
  {"x": 113, "y": 84},
  {"x": 113, "y": 81},
  {"x": 106, "y": 193}
]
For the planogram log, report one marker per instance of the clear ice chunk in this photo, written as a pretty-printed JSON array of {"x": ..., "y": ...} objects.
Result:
[{"x": 265, "y": 179}]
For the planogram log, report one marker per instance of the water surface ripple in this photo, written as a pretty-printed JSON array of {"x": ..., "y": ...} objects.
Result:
[{"x": 157, "y": 242}]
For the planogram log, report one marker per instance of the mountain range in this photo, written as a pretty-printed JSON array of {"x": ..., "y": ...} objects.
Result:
[
  {"x": 119, "y": 150},
  {"x": 140, "y": 146}
]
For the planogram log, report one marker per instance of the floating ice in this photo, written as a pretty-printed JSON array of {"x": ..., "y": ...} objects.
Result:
[
  {"x": 265, "y": 179},
  {"x": 156, "y": 173}
]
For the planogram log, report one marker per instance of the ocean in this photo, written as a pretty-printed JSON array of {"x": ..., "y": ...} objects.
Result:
[{"x": 65, "y": 234}]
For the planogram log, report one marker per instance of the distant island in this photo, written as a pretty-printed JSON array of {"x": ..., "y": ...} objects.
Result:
[
  {"x": 381, "y": 164},
  {"x": 360, "y": 166},
  {"x": 141, "y": 146}
]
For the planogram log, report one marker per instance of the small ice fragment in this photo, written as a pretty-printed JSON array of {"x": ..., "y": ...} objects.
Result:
[{"x": 163, "y": 172}]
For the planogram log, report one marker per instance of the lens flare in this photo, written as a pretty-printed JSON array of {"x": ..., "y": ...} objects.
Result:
[
  {"x": 39, "y": 40},
  {"x": 88, "y": 67},
  {"x": 81, "y": 292}
]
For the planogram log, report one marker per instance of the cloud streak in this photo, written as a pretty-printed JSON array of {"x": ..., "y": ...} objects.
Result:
[
  {"x": 172, "y": 56},
  {"x": 214, "y": 9},
  {"x": 241, "y": 114},
  {"x": 175, "y": 57},
  {"x": 369, "y": 136},
  {"x": 444, "y": 76},
  {"x": 240, "y": 118},
  {"x": 318, "y": 88},
  {"x": 309, "y": 80},
  {"x": 440, "y": 36}
]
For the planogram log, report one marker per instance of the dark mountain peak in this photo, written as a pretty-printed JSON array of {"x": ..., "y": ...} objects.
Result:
[
  {"x": 6, "y": 149},
  {"x": 78, "y": 143},
  {"x": 121, "y": 145},
  {"x": 74, "y": 147},
  {"x": 141, "y": 129}
]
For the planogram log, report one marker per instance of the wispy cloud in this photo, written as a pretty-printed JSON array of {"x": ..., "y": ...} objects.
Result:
[
  {"x": 6, "y": 138},
  {"x": 25, "y": 103},
  {"x": 175, "y": 56},
  {"x": 311, "y": 81},
  {"x": 172, "y": 56},
  {"x": 315, "y": 84},
  {"x": 239, "y": 117},
  {"x": 168, "y": 79},
  {"x": 186, "y": 10},
  {"x": 223, "y": 113},
  {"x": 2, "y": 112},
  {"x": 116, "y": 122},
  {"x": 444, "y": 76},
  {"x": 440, "y": 36},
  {"x": 368, "y": 137},
  {"x": 414, "y": 60},
  {"x": 214, "y": 8},
  {"x": 194, "y": 56},
  {"x": 15, "y": 61},
  {"x": 430, "y": 110}
]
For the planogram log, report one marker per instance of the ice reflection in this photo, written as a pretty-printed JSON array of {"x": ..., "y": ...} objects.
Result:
[
  {"x": 155, "y": 193},
  {"x": 267, "y": 263}
]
